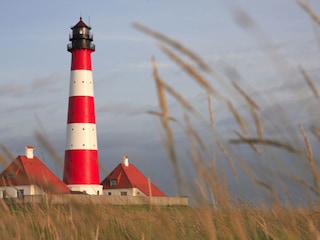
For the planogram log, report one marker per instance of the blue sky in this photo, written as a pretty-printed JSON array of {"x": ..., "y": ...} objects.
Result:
[{"x": 36, "y": 66}]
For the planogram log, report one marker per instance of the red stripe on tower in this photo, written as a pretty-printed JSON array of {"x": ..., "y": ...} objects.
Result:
[{"x": 81, "y": 167}]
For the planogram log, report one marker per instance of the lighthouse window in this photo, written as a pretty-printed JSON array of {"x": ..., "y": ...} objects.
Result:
[
  {"x": 123, "y": 193},
  {"x": 113, "y": 182}
]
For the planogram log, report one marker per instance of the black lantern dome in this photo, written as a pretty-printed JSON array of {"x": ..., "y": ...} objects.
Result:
[{"x": 81, "y": 38}]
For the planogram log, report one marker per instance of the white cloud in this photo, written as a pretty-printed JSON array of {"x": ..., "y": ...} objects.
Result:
[
  {"x": 123, "y": 37},
  {"x": 121, "y": 109},
  {"x": 143, "y": 65},
  {"x": 43, "y": 83},
  {"x": 26, "y": 106},
  {"x": 12, "y": 89}
]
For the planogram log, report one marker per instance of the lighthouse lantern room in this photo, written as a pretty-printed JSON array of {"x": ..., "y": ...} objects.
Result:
[{"x": 81, "y": 167}]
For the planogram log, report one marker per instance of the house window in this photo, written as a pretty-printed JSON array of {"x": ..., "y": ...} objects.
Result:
[
  {"x": 109, "y": 193},
  {"x": 123, "y": 193},
  {"x": 20, "y": 193},
  {"x": 113, "y": 182},
  {"x": 4, "y": 194}
]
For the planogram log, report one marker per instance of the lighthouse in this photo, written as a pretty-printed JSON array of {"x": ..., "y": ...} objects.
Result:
[{"x": 81, "y": 166}]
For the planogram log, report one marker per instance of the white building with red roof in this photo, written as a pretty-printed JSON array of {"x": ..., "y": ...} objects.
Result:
[
  {"x": 126, "y": 179},
  {"x": 27, "y": 175}
]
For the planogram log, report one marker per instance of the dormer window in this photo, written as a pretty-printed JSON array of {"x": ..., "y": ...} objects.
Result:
[{"x": 113, "y": 182}]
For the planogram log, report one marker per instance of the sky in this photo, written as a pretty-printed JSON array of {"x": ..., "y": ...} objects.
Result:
[{"x": 35, "y": 71}]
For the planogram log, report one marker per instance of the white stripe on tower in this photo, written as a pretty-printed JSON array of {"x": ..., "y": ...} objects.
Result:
[
  {"x": 81, "y": 167},
  {"x": 81, "y": 83}
]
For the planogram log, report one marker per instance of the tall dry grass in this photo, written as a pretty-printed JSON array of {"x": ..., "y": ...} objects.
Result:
[
  {"x": 81, "y": 221},
  {"x": 216, "y": 211}
]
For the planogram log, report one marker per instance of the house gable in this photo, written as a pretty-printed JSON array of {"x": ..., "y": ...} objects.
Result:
[
  {"x": 31, "y": 171},
  {"x": 128, "y": 176}
]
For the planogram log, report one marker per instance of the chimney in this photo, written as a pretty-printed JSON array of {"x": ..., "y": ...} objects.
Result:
[
  {"x": 126, "y": 161},
  {"x": 29, "y": 152}
]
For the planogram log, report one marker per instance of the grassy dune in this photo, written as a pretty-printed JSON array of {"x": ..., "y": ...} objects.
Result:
[
  {"x": 216, "y": 213},
  {"x": 73, "y": 221}
]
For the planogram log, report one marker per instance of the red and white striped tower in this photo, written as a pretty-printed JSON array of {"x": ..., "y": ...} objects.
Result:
[{"x": 81, "y": 167}]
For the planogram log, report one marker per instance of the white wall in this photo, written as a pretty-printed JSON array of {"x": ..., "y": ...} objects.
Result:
[
  {"x": 129, "y": 191},
  {"x": 90, "y": 189},
  {"x": 12, "y": 191}
]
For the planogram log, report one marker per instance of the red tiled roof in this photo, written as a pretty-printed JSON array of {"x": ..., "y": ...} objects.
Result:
[
  {"x": 80, "y": 24},
  {"x": 25, "y": 171},
  {"x": 131, "y": 177}
]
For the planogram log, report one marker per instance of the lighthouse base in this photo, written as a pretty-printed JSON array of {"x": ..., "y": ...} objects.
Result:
[{"x": 90, "y": 189}]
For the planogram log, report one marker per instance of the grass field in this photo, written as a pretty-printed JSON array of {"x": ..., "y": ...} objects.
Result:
[{"x": 74, "y": 221}]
